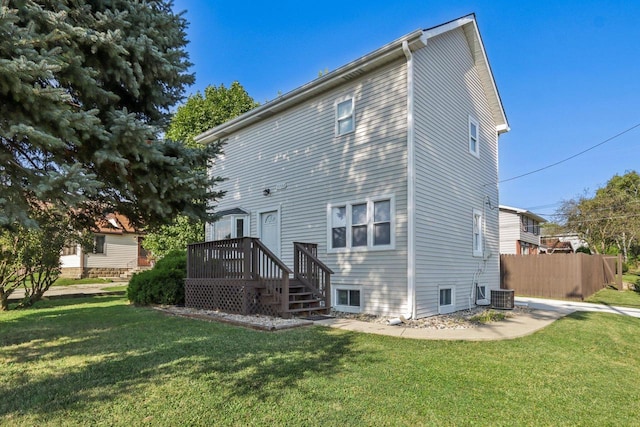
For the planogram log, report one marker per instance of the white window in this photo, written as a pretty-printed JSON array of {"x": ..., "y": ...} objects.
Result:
[
  {"x": 446, "y": 300},
  {"x": 361, "y": 225},
  {"x": 481, "y": 294},
  {"x": 347, "y": 299},
  {"x": 474, "y": 137},
  {"x": 477, "y": 233},
  {"x": 230, "y": 227},
  {"x": 345, "y": 119}
]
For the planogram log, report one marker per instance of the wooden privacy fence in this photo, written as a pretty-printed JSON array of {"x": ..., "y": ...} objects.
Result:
[{"x": 568, "y": 276}]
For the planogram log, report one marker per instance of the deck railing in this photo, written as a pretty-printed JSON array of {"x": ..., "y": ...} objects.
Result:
[
  {"x": 237, "y": 261},
  {"x": 312, "y": 272}
]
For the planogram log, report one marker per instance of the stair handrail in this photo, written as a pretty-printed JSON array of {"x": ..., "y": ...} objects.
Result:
[
  {"x": 279, "y": 290},
  {"x": 304, "y": 271}
]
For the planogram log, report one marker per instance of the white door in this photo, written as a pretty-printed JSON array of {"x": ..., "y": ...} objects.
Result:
[{"x": 270, "y": 231}]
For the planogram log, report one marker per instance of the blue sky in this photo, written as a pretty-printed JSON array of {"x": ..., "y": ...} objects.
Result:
[{"x": 568, "y": 72}]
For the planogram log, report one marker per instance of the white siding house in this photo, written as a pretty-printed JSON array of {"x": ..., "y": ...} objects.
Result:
[
  {"x": 519, "y": 231},
  {"x": 116, "y": 250},
  {"x": 389, "y": 164}
]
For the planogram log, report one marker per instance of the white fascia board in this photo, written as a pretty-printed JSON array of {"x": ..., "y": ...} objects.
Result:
[{"x": 477, "y": 47}]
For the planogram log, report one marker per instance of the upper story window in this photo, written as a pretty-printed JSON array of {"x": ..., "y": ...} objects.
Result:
[
  {"x": 529, "y": 225},
  {"x": 361, "y": 225},
  {"x": 474, "y": 137},
  {"x": 345, "y": 118},
  {"x": 477, "y": 233}
]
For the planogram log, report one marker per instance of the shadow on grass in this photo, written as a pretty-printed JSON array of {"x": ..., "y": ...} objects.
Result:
[{"x": 67, "y": 356}]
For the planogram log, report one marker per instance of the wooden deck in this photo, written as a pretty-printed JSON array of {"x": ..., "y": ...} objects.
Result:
[{"x": 243, "y": 276}]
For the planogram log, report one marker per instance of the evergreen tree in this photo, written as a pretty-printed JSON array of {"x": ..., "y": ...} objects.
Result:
[
  {"x": 86, "y": 89},
  {"x": 199, "y": 114}
]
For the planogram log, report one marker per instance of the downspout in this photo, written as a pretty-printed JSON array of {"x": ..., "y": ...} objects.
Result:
[{"x": 411, "y": 189}]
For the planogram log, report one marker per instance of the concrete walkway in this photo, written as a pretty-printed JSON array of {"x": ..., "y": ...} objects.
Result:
[
  {"x": 72, "y": 291},
  {"x": 513, "y": 327},
  {"x": 550, "y": 304},
  {"x": 543, "y": 314}
]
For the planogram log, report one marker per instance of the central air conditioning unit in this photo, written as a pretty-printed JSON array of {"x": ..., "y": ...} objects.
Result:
[{"x": 503, "y": 299}]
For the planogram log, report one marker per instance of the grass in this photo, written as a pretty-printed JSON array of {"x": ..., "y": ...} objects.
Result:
[
  {"x": 611, "y": 296},
  {"x": 118, "y": 288},
  {"x": 100, "y": 361},
  {"x": 488, "y": 316},
  {"x": 64, "y": 281}
]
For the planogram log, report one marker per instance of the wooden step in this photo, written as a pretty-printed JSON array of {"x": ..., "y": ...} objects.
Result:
[{"x": 307, "y": 309}]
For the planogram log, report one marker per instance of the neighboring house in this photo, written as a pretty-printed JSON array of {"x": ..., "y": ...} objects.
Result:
[
  {"x": 389, "y": 164},
  {"x": 519, "y": 231},
  {"x": 117, "y": 250},
  {"x": 561, "y": 243}
]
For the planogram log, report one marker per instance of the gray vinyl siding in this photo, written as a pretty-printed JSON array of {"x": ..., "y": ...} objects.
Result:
[
  {"x": 509, "y": 232},
  {"x": 451, "y": 182},
  {"x": 297, "y": 148},
  {"x": 120, "y": 251}
]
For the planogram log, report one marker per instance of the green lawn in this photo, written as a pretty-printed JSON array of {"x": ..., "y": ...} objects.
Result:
[
  {"x": 64, "y": 281},
  {"x": 610, "y": 296},
  {"x": 99, "y": 361}
]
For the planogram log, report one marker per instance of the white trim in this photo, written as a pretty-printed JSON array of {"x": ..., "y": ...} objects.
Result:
[
  {"x": 246, "y": 228},
  {"x": 449, "y": 308},
  {"x": 369, "y": 201},
  {"x": 411, "y": 187},
  {"x": 343, "y": 100},
  {"x": 473, "y": 121},
  {"x": 347, "y": 308},
  {"x": 441, "y": 29},
  {"x": 259, "y": 213},
  {"x": 485, "y": 300},
  {"x": 477, "y": 252}
]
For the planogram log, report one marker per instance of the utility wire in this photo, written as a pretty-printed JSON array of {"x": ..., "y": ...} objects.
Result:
[{"x": 571, "y": 157}]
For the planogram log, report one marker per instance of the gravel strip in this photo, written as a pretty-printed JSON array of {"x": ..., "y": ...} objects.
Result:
[
  {"x": 257, "y": 321},
  {"x": 464, "y": 319}
]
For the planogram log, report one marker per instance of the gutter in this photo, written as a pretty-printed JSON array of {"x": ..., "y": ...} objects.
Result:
[{"x": 411, "y": 188}]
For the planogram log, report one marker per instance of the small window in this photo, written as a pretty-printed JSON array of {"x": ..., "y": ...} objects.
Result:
[
  {"x": 345, "y": 121},
  {"x": 98, "y": 244},
  {"x": 481, "y": 293},
  {"x": 70, "y": 249},
  {"x": 474, "y": 137},
  {"x": 477, "y": 233},
  {"x": 347, "y": 300},
  {"x": 446, "y": 300}
]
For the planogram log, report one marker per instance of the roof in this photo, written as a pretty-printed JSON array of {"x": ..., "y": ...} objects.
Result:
[
  {"x": 115, "y": 223},
  {"x": 387, "y": 53},
  {"x": 523, "y": 212},
  {"x": 233, "y": 211}
]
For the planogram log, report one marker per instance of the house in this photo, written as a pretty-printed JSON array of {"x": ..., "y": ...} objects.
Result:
[
  {"x": 519, "y": 231},
  {"x": 561, "y": 243},
  {"x": 117, "y": 250},
  {"x": 387, "y": 166}
]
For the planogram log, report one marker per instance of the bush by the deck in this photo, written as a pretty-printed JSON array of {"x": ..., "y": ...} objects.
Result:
[{"x": 164, "y": 284}]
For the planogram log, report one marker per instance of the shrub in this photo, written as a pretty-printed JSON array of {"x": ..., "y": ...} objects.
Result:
[
  {"x": 584, "y": 250},
  {"x": 164, "y": 284}
]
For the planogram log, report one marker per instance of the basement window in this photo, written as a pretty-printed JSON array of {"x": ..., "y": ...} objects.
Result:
[
  {"x": 347, "y": 299},
  {"x": 446, "y": 300}
]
